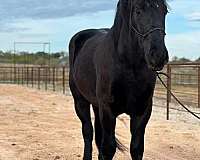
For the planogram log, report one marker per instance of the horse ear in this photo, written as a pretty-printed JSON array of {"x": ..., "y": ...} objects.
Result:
[{"x": 118, "y": 4}]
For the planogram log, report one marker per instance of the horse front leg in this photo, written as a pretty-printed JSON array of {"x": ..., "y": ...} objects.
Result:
[
  {"x": 82, "y": 108},
  {"x": 108, "y": 123},
  {"x": 137, "y": 125},
  {"x": 83, "y": 112},
  {"x": 98, "y": 130}
]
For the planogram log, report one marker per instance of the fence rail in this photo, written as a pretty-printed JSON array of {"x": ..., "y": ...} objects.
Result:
[
  {"x": 47, "y": 78},
  {"x": 184, "y": 81}
]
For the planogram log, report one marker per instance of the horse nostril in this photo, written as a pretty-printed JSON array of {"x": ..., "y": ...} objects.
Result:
[{"x": 151, "y": 54}]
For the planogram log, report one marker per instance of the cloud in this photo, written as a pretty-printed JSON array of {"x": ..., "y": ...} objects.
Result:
[
  {"x": 10, "y": 27},
  {"x": 37, "y": 9},
  {"x": 188, "y": 9},
  {"x": 32, "y": 35},
  {"x": 13, "y": 10},
  {"x": 184, "y": 7},
  {"x": 57, "y": 31},
  {"x": 56, "y": 21},
  {"x": 184, "y": 44},
  {"x": 195, "y": 16}
]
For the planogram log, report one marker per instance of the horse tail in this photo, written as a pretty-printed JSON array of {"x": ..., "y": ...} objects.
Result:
[
  {"x": 120, "y": 146},
  {"x": 72, "y": 53}
]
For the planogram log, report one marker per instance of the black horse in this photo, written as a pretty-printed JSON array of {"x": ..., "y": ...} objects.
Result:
[{"x": 114, "y": 70}]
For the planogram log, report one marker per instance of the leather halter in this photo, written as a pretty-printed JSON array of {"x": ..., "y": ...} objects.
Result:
[{"x": 146, "y": 34}]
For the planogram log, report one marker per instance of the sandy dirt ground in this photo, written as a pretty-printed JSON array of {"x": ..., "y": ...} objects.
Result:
[{"x": 37, "y": 125}]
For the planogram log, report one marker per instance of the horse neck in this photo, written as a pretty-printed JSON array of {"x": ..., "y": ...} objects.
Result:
[{"x": 126, "y": 42}]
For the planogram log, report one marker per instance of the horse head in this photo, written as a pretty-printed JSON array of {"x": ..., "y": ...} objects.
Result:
[{"x": 147, "y": 21}]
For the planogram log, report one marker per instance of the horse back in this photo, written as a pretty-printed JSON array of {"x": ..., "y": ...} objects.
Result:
[{"x": 78, "y": 41}]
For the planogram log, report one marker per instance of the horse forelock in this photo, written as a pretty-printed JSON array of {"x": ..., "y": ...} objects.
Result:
[{"x": 152, "y": 2}]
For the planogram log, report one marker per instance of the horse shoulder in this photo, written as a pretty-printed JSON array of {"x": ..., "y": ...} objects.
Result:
[{"x": 104, "y": 64}]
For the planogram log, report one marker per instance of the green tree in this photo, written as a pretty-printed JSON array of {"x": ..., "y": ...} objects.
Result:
[{"x": 197, "y": 60}]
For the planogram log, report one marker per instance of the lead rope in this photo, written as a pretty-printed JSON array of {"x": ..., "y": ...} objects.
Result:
[{"x": 172, "y": 94}]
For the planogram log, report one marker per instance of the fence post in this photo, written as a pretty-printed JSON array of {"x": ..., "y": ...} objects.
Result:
[
  {"x": 53, "y": 78},
  {"x": 169, "y": 87},
  {"x": 10, "y": 77},
  {"x": 22, "y": 76},
  {"x": 27, "y": 77},
  {"x": 14, "y": 74},
  {"x": 63, "y": 80},
  {"x": 170, "y": 81},
  {"x": 18, "y": 75},
  {"x": 38, "y": 77},
  {"x": 199, "y": 86},
  {"x": 46, "y": 74},
  {"x": 32, "y": 76},
  {"x": 4, "y": 77}
]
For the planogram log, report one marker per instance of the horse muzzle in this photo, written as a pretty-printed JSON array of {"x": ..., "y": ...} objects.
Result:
[{"x": 157, "y": 60}]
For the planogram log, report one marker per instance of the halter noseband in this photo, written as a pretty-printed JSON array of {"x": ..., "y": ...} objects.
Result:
[{"x": 148, "y": 32}]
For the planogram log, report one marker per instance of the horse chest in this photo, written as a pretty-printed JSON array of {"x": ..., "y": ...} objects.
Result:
[{"x": 131, "y": 95}]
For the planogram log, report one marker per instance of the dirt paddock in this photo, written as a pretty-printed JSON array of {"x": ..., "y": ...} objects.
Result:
[{"x": 37, "y": 125}]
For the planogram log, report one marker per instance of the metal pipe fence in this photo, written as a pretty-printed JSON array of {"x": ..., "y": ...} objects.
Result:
[
  {"x": 46, "y": 78},
  {"x": 184, "y": 81}
]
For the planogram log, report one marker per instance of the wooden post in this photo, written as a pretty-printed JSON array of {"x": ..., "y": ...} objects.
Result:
[
  {"x": 63, "y": 79},
  {"x": 199, "y": 86},
  {"x": 169, "y": 87}
]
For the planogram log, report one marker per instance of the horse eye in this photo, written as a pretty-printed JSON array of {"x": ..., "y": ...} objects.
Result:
[
  {"x": 157, "y": 5},
  {"x": 138, "y": 11}
]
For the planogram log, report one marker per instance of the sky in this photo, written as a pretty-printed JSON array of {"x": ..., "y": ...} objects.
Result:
[{"x": 57, "y": 21}]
